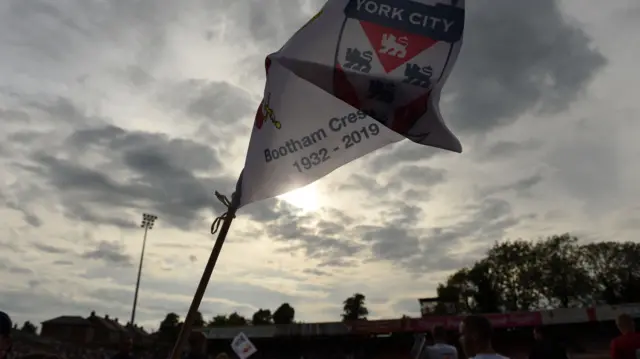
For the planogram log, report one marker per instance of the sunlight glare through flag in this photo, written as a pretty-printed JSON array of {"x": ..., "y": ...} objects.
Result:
[{"x": 306, "y": 198}]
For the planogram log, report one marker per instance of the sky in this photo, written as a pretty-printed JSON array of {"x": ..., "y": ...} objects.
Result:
[{"x": 113, "y": 108}]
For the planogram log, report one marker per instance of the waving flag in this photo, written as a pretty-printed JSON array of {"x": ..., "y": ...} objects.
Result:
[
  {"x": 359, "y": 75},
  {"x": 242, "y": 346}
]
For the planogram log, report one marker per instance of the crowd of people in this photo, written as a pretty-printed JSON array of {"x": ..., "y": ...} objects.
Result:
[{"x": 475, "y": 341}]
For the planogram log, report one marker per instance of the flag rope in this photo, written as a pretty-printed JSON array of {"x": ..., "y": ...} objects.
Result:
[{"x": 227, "y": 203}]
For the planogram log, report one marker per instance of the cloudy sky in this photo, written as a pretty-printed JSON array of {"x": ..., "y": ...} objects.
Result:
[{"x": 113, "y": 108}]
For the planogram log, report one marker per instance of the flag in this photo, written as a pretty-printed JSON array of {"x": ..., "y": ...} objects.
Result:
[
  {"x": 242, "y": 346},
  {"x": 361, "y": 74}
]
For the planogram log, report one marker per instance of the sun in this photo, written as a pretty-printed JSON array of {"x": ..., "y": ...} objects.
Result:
[{"x": 306, "y": 198}]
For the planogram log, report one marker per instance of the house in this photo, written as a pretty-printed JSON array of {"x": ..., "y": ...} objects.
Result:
[
  {"x": 104, "y": 332},
  {"x": 123, "y": 333},
  {"x": 139, "y": 335},
  {"x": 67, "y": 328}
]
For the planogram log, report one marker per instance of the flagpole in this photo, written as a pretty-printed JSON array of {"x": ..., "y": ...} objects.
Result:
[{"x": 226, "y": 219}]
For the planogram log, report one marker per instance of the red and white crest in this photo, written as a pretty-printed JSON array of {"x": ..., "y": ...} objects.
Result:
[{"x": 391, "y": 54}]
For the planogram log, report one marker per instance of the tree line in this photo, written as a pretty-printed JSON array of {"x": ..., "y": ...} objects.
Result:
[
  {"x": 353, "y": 308},
  {"x": 556, "y": 272},
  {"x": 171, "y": 324}
]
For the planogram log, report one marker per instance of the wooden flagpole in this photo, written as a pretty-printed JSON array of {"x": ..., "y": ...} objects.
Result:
[{"x": 226, "y": 219}]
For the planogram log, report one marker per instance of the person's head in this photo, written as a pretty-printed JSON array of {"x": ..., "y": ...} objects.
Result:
[
  {"x": 538, "y": 333},
  {"x": 625, "y": 323},
  {"x": 476, "y": 332},
  {"x": 439, "y": 334},
  {"x": 5, "y": 335}
]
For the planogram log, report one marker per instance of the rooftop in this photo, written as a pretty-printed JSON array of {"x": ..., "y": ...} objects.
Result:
[{"x": 68, "y": 320}]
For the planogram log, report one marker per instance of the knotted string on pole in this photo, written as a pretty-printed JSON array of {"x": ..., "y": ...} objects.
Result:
[
  {"x": 216, "y": 222},
  {"x": 222, "y": 223}
]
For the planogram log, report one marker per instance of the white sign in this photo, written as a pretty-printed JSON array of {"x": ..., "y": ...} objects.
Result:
[
  {"x": 358, "y": 76},
  {"x": 242, "y": 346}
]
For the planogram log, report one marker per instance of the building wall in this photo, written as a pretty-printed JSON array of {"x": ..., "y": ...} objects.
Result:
[
  {"x": 102, "y": 334},
  {"x": 78, "y": 334}
]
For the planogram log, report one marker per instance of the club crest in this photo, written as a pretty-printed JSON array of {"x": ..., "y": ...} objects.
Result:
[{"x": 391, "y": 54}]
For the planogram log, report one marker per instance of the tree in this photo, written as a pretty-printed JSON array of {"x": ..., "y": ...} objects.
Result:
[
  {"x": 232, "y": 320},
  {"x": 198, "y": 322},
  {"x": 262, "y": 317},
  {"x": 564, "y": 281},
  {"x": 284, "y": 314},
  {"x": 512, "y": 268},
  {"x": 29, "y": 328},
  {"x": 455, "y": 290},
  {"x": 519, "y": 276},
  {"x": 354, "y": 308},
  {"x": 218, "y": 321},
  {"x": 236, "y": 320},
  {"x": 483, "y": 289},
  {"x": 169, "y": 327},
  {"x": 470, "y": 290},
  {"x": 555, "y": 272},
  {"x": 614, "y": 270}
]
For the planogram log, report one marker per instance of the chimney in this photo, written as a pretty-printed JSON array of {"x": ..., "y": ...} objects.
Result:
[
  {"x": 106, "y": 316},
  {"x": 93, "y": 313},
  {"x": 116, "y": 320}
]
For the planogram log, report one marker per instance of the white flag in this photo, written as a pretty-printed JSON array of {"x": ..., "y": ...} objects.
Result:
[
  {"x": 242, "y": 346},
  {"x": 359, "y": 75}
]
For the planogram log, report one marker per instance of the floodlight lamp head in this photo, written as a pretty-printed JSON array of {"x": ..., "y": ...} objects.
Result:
[{"x": 148, "y": 220}]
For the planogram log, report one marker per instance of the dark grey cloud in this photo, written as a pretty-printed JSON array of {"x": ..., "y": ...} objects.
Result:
[
  {"x": 316, "y": 272},
  {"x": 49, "y": 248},
  {"x": 63, "y": 263},
  {"x": 421, "y": 175},
  {"x": 521, "y": 187},
  {"x": 31, "y": 219},
  {"x": 370, "y": 184},
  {"x": 110, "y": 252},
  {"x": 218, "y": 110},
  {"x": 65, "y": 36},
  {"x": 412, "y": 183},
  {"x": 397, "y": 237},
  {"x": 173, "y": 177},
  {"x": 518, "y": 57},
  {"x": 11, "y": 115},
  {"x": 12, "y": 268},
  {"x": 504, "y": 149},
  {"x": 61, "y": 110},
  {"x": 271, "y": 26}
]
